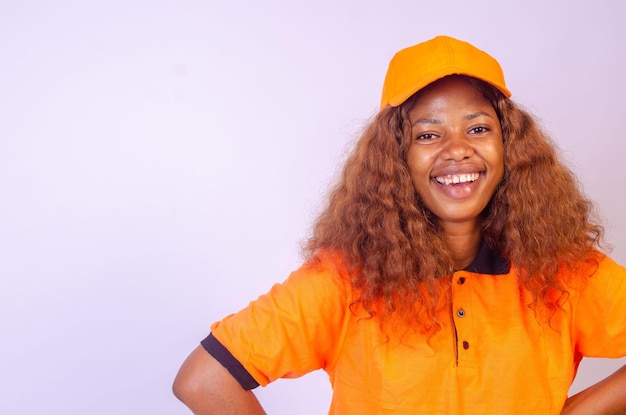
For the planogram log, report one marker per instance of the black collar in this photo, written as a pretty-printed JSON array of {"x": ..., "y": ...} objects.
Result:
[{"x": 488, "y": 261}]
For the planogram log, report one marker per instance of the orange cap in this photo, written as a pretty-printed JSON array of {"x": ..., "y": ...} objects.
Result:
[{"x": 413, "y": 68}]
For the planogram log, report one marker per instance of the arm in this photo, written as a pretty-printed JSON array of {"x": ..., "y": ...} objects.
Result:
[
  {"x": 206, "y": 387},
  {"x": 607, "y": 397}
]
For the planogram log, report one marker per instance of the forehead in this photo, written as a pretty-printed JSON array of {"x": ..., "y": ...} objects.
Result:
[{"x": 449, "y": 93}]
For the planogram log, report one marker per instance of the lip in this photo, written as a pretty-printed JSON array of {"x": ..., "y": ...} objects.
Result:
[
  {"x": 454, "y": 179},
  {"x": 458, "y": 190},
  {"x": 452, "y": 173},
  {"x": 457, "y": 169}
]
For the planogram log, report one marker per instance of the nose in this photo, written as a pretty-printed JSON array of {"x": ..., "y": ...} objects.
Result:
[{"x": 457, "y": 146}]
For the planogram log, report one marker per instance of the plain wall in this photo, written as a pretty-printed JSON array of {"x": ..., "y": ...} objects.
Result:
[{"x": 161, "y": 161}]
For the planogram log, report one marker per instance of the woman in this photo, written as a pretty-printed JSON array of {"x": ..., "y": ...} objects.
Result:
[{"x": 455, "y": 269}]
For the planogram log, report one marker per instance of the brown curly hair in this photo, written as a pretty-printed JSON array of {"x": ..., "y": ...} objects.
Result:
[{"x": 393, "y": 247}]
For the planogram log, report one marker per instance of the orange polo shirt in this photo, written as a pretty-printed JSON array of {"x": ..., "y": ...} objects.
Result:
[{"x": 491, "y": 356}]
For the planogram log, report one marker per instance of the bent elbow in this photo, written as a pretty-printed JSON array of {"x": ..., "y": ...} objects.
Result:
[
  {"x": 192, "y": 376},
  {"x": 182, "y": 387}
]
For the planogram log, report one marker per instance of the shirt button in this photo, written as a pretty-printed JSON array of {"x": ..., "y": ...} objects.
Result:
[
  {"x": 460, "y": 312},
  {"x": 465, "y": 345},
  {"x": 461, "y": 281}
]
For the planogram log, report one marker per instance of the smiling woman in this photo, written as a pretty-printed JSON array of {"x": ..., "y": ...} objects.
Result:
[
  {"x": 454, "y": 248},
  {"x": 456, "y": 158}
]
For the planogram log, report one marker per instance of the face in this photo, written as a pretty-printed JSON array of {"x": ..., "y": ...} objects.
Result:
[{"x": 456, "y": 156}]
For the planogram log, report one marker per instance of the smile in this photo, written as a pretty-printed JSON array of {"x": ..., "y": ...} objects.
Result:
[{"x": 457, "y": 178}]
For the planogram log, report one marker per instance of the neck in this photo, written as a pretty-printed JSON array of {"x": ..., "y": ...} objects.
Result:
[{"x": 463, "y": 241}]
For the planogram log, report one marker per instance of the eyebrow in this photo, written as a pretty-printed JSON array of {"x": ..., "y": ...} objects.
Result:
[
  {"x": 426, "y": 121},
  {"x": 438, "y": 121},
  {"x": 476, "y": 115}
]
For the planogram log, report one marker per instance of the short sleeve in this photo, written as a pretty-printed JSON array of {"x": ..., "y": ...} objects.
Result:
[
  {"x": 599, "y": 321},
  {"x": 294, "y": 328}
]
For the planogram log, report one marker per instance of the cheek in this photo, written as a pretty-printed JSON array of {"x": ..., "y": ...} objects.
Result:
[
  {"x": 419, "y": 163},
  {"x": 493, "y": 154},
  {"x": 500, "y": 161},
  {"x": 420, "y": 178}
]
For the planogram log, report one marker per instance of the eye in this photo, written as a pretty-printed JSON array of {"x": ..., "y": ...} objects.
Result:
[
  {"x": 478, "y": 130},
  {"x": 425, "y": 137}
]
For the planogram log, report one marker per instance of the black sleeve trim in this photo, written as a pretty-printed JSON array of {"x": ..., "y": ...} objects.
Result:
[{"x": 222, "y": 355}]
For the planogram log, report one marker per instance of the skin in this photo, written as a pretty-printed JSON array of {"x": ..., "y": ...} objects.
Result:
[
  {"x": 606, "y": 397},
  {"x": 206, "y": 387},
  {"x": 456, "y": 159},
  {"x": 456, "y": 133}
]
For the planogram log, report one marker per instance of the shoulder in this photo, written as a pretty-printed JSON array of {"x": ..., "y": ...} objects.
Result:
[
  {"x": 324, "y": 273},
  {"x": 607, "y": 274},
  {"x": 598, "y": 282},
  {"x": 596, "y": 269}
]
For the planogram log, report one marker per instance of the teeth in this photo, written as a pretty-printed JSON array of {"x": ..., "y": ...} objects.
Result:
[{"x": 457, "y": 178}]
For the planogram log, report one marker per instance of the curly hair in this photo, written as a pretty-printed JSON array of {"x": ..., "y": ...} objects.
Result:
[{"x": 396, "y": 254}]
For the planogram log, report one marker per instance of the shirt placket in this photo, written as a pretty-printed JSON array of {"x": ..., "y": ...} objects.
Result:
[{"x": 463, "y": 318}]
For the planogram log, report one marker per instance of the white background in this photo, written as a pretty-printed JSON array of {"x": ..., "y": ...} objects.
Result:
[{"x": 161, "y": 161}]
